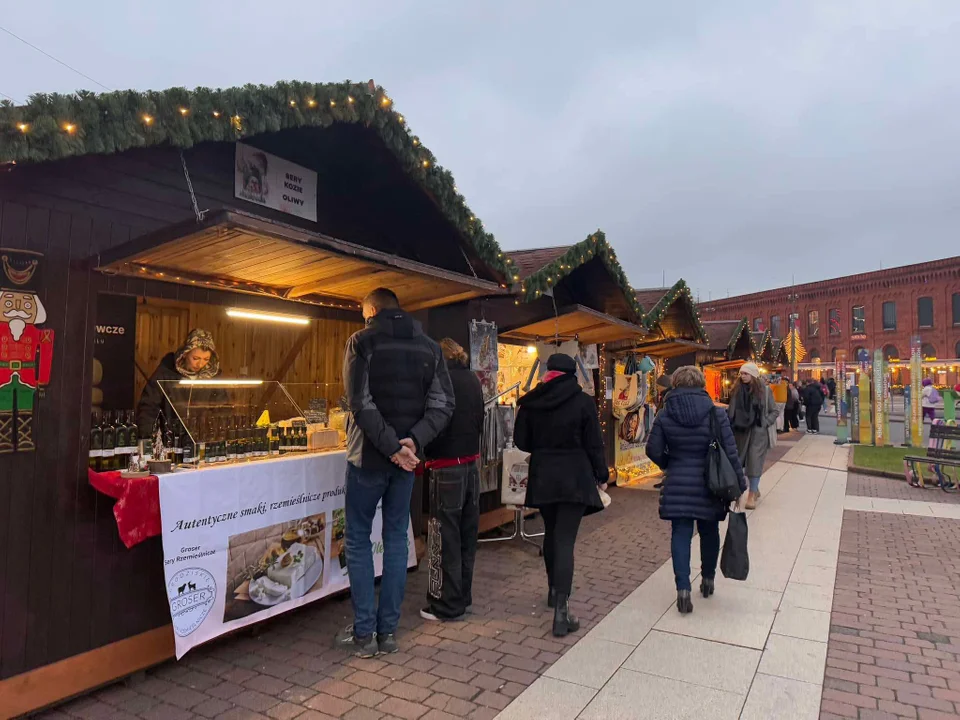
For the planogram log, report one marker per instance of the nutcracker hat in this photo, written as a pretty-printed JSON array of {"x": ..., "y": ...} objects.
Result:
[{"x": 20, "y": 270}]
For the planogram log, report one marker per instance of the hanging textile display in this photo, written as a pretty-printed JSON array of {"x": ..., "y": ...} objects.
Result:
[
  {"x": 635, "y": 413},
  {"x": 515, "y": 362},
  {"x": 590, "y": 357},
  {"x": 484, "y": 359}
]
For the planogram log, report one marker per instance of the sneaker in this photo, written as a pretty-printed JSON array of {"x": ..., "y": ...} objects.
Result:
[
  {"x": 427, "y": 614},
  {"x": 362, "y": 647},
  {"x": 388, "y": 644}
]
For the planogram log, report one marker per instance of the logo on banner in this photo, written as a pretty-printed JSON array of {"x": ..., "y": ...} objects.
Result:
[{"x": 192, "y": 592}]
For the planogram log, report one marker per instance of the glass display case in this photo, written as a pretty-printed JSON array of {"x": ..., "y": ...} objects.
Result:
[{"x": 220, "y": 421}]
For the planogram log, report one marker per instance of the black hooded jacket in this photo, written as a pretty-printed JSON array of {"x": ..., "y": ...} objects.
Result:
[
  {"x": 557, "y": 424},
  {"x": 397, "y": 386},
  {"x": 462, "y": 436},
  {"x": 678, "y": 444}
]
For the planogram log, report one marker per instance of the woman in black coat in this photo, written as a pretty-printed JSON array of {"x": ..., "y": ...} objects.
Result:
[
  {"x": 557, "y": 424},
  {"x": 678, "y": 444}
]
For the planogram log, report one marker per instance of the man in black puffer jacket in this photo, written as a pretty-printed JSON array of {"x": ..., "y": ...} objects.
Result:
[
  {"x": 400, "y": 398},
  {"x": 678, "y": 444}
]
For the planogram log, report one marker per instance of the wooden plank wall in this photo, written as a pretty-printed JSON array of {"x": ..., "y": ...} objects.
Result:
[
  {"x": 68, "y": 584},
  {"x": 248, "y": 349}
]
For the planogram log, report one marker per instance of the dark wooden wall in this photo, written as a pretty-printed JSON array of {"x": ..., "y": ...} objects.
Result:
[{"x": 68, "y": 584}]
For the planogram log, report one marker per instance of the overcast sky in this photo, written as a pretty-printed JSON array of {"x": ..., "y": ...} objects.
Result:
[{"x": 733, "y": 143}]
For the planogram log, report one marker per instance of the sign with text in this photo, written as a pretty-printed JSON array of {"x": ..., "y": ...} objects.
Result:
[
  {"x": 244, "y": 543},
  {"x": 840, "y": 404},
  {"x": 114, "y": 352},
  {"x": 879, "y": 399},
  {"x": 275, "y": 183}
]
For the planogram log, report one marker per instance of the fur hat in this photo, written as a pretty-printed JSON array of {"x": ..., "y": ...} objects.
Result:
[{"x": 750, "y": 369}]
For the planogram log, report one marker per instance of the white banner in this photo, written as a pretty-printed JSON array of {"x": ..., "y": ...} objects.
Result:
[
  {"x": 276, "y": 183},
  {"x": 243, "y": 543}
]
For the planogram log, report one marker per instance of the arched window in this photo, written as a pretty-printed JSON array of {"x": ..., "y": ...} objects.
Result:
[
  {"x": 928, "y": 352},
  {"x": 890, "y": 352},
  {"x": 858, "y": 354},
  {"x": 814, "y": 355}
]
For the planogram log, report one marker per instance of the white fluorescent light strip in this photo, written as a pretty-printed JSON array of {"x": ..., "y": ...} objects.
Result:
[
  {"x": 235, "y": 383},
  {"x": 268, "y": 317}
]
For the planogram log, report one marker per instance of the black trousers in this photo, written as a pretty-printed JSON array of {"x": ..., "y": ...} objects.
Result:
[
  {"x": 561, "y": 522},
  {"x": 791, "y": 418},
  {"x": 452, "y": 538},
  {"x": 813, "y": 418}
]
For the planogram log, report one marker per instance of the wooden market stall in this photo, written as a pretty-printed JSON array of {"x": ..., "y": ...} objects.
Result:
[
  {"x": 729, "y": 347},
  {"x": 134, "y": 217}
]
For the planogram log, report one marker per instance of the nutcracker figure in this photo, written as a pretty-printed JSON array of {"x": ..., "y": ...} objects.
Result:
[{"x": 26, "y": 351}]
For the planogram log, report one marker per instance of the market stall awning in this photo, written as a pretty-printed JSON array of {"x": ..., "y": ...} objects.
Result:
[
  {"x": 236, "y": 251},
  {"x": 576, "y": 321},
  {"x": 660, "y": 347}
]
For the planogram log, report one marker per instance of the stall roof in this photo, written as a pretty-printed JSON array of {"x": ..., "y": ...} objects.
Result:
[
  {"x": 573, "y": 271},
  {"x": 313, "y": 119},
  {"x": 575, "y": 321},
  {"x": 672, "y": 313},
  {"x": 762, "y": 345},
  {"x": 726, "y": 335},
  {"x": 245, "y": 253}
]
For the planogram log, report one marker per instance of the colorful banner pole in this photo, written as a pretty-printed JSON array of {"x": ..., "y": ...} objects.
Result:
[
  {"x": 907, "y": 417},
  {"x": 879, "y": 400},
  {"x": 840, "y": 378},
  {"x": 916, "y": 398},
  {"x": 866, "y": 421}
]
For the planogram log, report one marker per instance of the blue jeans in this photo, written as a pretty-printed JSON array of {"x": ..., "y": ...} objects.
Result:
[
  {"x": 365, "y": 491},
  {"x": 755, "y": 484},
  {"x": 680, "y": 541}
]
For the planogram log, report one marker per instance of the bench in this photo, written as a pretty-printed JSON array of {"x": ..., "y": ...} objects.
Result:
[{"x": 942, "y": 458}]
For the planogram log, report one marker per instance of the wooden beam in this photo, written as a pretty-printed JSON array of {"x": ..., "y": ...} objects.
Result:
[
  {"x": 318, "y": 285},
  {"x": 67, "y": 678},
  {"x": 424, "y": 304},
  {"x": 286, "y": 364}
]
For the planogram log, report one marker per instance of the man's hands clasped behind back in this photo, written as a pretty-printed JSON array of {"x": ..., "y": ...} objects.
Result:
[{"x": 406, "y": 457}]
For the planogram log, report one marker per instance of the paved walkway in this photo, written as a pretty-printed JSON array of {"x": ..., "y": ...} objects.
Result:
[{"x": 757, "y": 649}]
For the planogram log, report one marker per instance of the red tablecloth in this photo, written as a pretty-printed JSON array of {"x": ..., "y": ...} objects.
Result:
[{"x": 137, "y": 509}]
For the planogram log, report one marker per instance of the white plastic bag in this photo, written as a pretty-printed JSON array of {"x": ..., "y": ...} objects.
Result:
[{"x": 513, "y": 489}]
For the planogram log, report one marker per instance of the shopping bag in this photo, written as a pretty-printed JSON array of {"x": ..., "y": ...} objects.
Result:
[
  {"x": 625, "y": 394},
  {"x": 734, "y": 560},
  {"x": 516, "y": 467},
  {"x": 721, "y": 478}
]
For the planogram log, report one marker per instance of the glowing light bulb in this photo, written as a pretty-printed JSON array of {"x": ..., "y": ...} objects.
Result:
[
  {"x": 148, "y": 120},
  {"x": 333, "y": 103},
  {"x": 184, "y": 111},
  {"x": 311, "y": 103},
  {"x": 350, "y": 99},
  {"x": 69, "y": 128},
  {"x": 23, "y": 127},
  {"x": 216, "y": 113}
]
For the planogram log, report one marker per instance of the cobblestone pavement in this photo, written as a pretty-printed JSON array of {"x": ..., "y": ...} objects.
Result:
[
  {"x": 894, "y": 648},
  {"x": 287, "y": 668},
  {"x": 869, "y": 486}
]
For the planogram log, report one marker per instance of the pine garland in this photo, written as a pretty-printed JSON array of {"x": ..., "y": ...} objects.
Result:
[
  {"x": 56, "y": 126},
  {"x": 594, "y": 245},
  {"x": 680, "y": 290},
  {"x": 732, "y": 345}
]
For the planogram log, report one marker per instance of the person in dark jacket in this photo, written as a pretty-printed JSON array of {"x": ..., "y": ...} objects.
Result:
[
  {"x": 812, "y": 403},
  {"x": 400, "y": 399},
  {"x": 196, "y": 359},
  {"x": 452, "y": 460},
  {"x": 678, "y": 444},
  {"x": 557, "y": 424}
]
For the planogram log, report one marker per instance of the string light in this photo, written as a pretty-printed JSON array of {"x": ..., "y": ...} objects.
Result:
[
  {"x": 426, "y": 163},
  {"x": 148, "y": 119},
  {"x": 350, "y": 99},
  {"x": 69, "y": 128},
  {"x": 385, "y": 101},
  {"x": 311, "y": 103},
  {"x": 23, "y": 127},
  {"x": 333, "y": 103},
  {"x": 293, "y": 103},
  {"x": 184, "y": 111},
  {"x": 216, "y": 113}
]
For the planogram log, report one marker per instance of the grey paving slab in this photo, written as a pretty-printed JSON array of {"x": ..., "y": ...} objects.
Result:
[
  {"x": 549, "y": 698},
  {"x": 637, "y": 696},
  {"x": 698, "y": 662},
  {"x": 794, "y": 658},
  {"x": 812, "y": 597},
  {"x": 590, "y": 662},
  {"x": 775, "y": 698},
  {"x": 803, "y": 623}
]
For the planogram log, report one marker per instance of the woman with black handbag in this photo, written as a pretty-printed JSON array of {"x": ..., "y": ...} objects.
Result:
[{"x": 680, "y": 444}]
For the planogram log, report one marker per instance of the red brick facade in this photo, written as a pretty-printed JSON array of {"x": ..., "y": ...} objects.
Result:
[{"x": 905, "y": 286}]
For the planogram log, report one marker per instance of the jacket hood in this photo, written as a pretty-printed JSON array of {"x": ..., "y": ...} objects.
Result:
[
  {"x": 204, "y": 341},
  {"x": 688, "y": 406},
  {"x": 396, "y": 323},
  {"x": 551, "y": 395}
]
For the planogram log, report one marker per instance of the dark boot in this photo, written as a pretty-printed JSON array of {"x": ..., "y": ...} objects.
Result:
[
  {"x": 551, "y": 598},
  {"x": 563, "y": 622},
  {"x": 25, "y": 433},
  {"x": 6, "y": 433},
  {"x": 706, "y": 587},
  {"x": 684, "y": 603}
]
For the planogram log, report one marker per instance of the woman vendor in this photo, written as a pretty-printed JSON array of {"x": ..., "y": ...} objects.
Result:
[{"x": 195, "y": 360}]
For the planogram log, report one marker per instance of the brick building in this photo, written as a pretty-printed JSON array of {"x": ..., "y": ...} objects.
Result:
[{"x": 882, "y": 309}]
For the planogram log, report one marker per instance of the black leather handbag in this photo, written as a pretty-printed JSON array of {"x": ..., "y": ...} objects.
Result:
[{"x": 722, "y": 480}]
